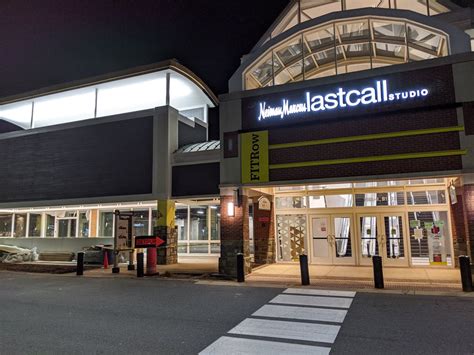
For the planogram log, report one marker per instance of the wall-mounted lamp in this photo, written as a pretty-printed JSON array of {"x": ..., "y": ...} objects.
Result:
[{"x": 230, "y": 209}]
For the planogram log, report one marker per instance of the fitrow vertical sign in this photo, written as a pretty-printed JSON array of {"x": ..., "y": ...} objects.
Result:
[{"x": 254, "y": 157}]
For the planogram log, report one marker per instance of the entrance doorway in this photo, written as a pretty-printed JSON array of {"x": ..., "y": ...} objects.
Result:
[
  {"x": 384, "y": 235},
  {"x": 332, "y": 239}
]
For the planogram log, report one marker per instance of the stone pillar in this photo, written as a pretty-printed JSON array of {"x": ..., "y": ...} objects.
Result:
[
  {"x": 234, "y": 233},
  {"x": 166, "y": 230},
  {"x": 264, "y": 234}
]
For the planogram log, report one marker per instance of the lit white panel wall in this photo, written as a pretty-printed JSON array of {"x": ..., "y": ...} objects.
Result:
[
  {"x": 17, "y": 113},
  {"x": 132, "y": 94},
  {"x": 69, "y": 106},
  {"x": 185, "y": 95}
]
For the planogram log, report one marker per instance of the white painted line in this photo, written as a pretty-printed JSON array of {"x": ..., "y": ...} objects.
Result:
[
  {"x": 315, "y": 301},
  {"x": 310, "y": 291},
  {"x": 234, "y": 346},
  {"x": 304, "y": 313},
  {"x": 323, "y": 333}
]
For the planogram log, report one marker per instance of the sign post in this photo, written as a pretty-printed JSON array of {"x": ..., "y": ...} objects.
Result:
[
  {"x": 123, "y": 237},
  {"x": 149, "y": 242}
]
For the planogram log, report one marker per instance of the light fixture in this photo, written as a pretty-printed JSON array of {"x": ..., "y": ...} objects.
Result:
[{"x": 230, "y": 209}]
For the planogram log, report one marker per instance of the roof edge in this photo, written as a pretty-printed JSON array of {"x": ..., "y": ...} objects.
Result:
[{"x": 116, "y": 75}]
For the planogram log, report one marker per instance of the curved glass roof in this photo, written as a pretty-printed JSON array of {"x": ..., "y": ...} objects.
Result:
[
  {"x": 200, "y": 147},
  {"x": 304, "y": 10},
  {"x": 344, "y": 46}
]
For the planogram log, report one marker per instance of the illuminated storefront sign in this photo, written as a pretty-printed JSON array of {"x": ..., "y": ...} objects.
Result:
[{"x": 339, "y": 99}]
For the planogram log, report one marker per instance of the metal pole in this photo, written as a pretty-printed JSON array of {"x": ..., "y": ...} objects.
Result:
[
  {"x": 240, "y": 268},
  {"x": 80, "y": 264},
  {"x": 115, "y": 268},
  {"x": 140, "y": 268},
  {"x": 304, "y": 270},
  {"x": 378, "y": 271},
  {"x": 466, "y": 273}
]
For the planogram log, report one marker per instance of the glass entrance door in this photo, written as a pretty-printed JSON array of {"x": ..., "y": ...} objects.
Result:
[
  {"x": 332, "y": 239},
  {"x": 384, "y": 235}
]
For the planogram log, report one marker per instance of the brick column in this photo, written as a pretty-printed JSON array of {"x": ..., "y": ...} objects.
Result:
[
  {"x": 264, "y": 235},
  {"x": 468, "y": 203},
  {"x": 458, "y": 227},
  {"x": 234, "y": 236}
]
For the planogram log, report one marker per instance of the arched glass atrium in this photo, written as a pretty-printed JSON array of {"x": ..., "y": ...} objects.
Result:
[
  {"x": 344, "y": 46},
  {"x": 304, "y": 10}
]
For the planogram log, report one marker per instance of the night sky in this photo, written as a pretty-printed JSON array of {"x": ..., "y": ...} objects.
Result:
[{"x": 50, "y": 42}]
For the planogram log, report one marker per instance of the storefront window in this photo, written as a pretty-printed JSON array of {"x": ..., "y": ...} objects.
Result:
[
  {"x": 106, "y": 223},
  {"x": 330, "y": 201},
  {"x": 181, "y": 222},
  {"x": 380, "y": 199},
  {"x": 20, "y": 225},
  {"x": 35, "y": 225},
  {"x": 432, "y": 197},
  {"x": 430, "y": 240},
  {"x": 198, "y": 225},
  {"x": 84, "y": 224},
  {"x": 50, "y": 221},
  {"x": 140, "y": 223},
  {"x": 5, "y": 225},
  {"x": 215, "y": 223},
  {"x": 67, "y": 227},
  {"x": 291, "y": 202}
]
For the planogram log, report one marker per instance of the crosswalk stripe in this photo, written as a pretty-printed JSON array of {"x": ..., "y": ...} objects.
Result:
[
  {"x": 315, "y": 301},
  {"x": 323, "y": 333},
  {"x": 229, "y": 345},
  {"x": 302, "y": 313},
  {"x": 315, "y": 292}
]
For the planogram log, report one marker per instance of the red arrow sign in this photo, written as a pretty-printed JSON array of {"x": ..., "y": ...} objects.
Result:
[
  {"x": 148, "y": 242},
  {"x": 159, "y": 241}
]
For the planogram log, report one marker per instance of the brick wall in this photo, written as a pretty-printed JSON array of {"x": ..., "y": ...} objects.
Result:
[
  {"x": 234, "y": 236},
  {"x": 468, "y": 200},
  {"x": 264, "y": 235}
]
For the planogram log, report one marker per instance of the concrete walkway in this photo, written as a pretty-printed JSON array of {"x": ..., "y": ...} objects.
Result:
[{"x": 359, "y": 276}]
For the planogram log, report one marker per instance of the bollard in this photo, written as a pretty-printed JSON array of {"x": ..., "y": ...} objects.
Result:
[
  {"x": 304, "y": 270},
  {"x": 80, "y": 264},
  {"x": 140, "y": 269},
  {"x": 378, "y": 271},
  {"x": 466, "y": 273},
  {"x": 240, "y": 268}
]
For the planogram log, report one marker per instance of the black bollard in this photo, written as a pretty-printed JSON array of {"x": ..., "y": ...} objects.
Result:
[
  {"x": 80, "y": 264},
  {"x": 466, "y": 273},
  {"x": 304, "y": 270},
  {"x": 378, "y": 271},
  {"x": 140, "y": 267},
  {"x": 240, "y": 268}
]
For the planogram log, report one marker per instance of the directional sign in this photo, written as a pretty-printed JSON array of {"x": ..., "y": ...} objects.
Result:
[{"x": 148, "y": 241}]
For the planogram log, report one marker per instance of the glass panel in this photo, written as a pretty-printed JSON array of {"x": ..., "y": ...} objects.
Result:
[
  {"x": 261, "y": 74},
  {"x": 320, "y": 229},
  {"x": 329, "y": 187},
  {"x": 290, "y": 188},
  {"x": 430, "y": 240},
  {"x": 199, "y": 248},
  {"x": 438, "y": 7},
  {"x": 181, "y": 221},
  {"x": 183, "y": 248},
  {"x": 17, "y": 113},
  {"x": 380, "y": 199},
  {"x": 84, "y": 224},
  {"x": 426, "y": 181},
  {"x": 215, "y": 222},
  {"x": 140, "y": 223},
  {"x": 20, "y": 225},
  {"x": 368, "y": 236},
  {"x": 357, "y": 4},
  {"x": 290, "y": 20},
  {"x": 394, "y": 237},
  {"x": 392, "y": 52},
  {"x": 426, "y": 197},
  {"x": 291, "y": 202},
  {"x": 389, "y": 30},
  {"x": 215, "y": 248},
  {"x": 319, "y": 39},
  {"x": 34, "y": 229},
  {"x": 350, "y": 31},
  {"x": 67, "y": 228},
  {"x": 6, "y": 225},
  {"x": 106, "y": 224},
  {"x": 288, "y": 62},
  {"x": 424, "y": 38},
  {"x": 50, "y": 222},
  {"x": 291, "y": 234},
  {"x": 342, "y": 232},
  {"x": 413, "y": 5},
  {"x": 198, "y": 217},
  {"x": 316, "y": 8},
  {"x": 330, "y": 201}
]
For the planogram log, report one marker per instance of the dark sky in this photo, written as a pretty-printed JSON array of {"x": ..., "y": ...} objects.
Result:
[{"x": 49, "y": 42}]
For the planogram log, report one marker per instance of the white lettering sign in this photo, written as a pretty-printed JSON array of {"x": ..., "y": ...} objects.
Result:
[{"x": 341, "y": 98}]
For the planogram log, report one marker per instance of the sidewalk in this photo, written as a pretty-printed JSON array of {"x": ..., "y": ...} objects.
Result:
[{"x": 360, "y": 276}]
